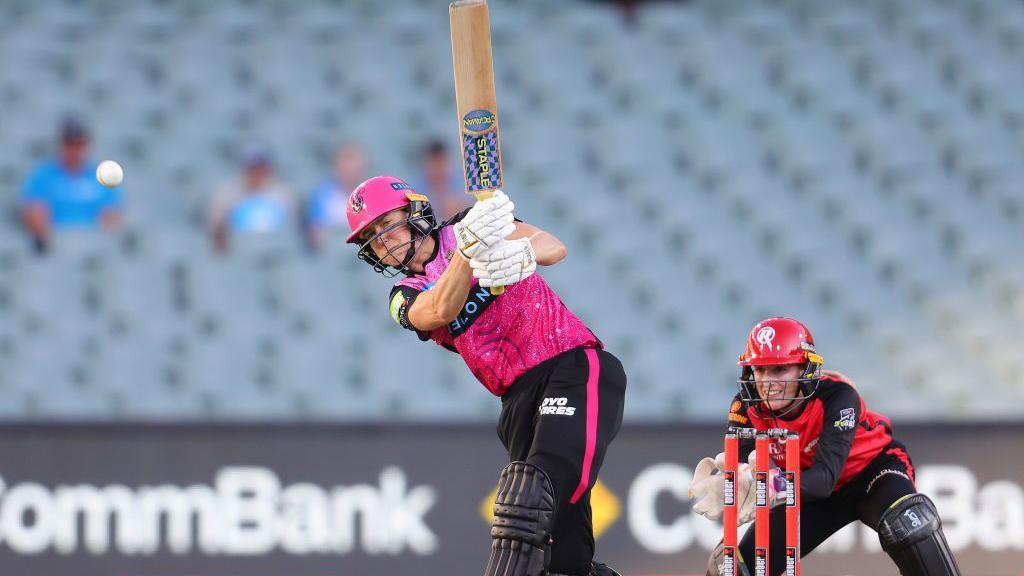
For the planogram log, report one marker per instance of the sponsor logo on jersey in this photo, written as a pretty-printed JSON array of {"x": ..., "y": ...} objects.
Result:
[
  {"x": 810, "y": 446},
  {"x": 765, "y": 337},
  {"x": 557, "y": 406},
  {"x": 478, "y": 300},
  {"x": 847, "y": 420}
]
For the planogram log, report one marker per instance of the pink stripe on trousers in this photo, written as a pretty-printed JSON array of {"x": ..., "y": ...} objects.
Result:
[{"x": 588, "y": 455}]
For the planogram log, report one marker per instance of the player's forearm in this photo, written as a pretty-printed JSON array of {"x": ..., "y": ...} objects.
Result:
[
  {"x": 818, "y": 481},
  {"x": 549, "y": 249},
  {"x": 816, "y": 484},
  {"x": 449, "y": 294}
]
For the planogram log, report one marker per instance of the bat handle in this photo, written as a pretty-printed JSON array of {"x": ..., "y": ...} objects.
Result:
[{"x": 495, "y": 290}]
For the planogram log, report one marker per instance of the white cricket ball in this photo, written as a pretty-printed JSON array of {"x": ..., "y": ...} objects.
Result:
[{"x": 109, "y": 173}]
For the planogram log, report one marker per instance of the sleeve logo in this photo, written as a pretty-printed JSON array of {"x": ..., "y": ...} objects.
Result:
[
  {"x": 847, "y": 420},
  {"x": 735, "y": 418},
  {"x": 398, "y": 308}
]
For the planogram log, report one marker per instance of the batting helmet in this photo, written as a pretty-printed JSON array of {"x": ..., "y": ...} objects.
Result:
[{"x": 375, "y": 198}]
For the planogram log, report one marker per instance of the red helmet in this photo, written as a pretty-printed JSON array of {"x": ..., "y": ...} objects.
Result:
[
  {"x": 779, "y": 341},
  {"x": 375, "y": 198}
]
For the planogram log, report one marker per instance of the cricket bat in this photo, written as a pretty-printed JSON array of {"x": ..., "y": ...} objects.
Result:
[{"x": 475, "y": 99}]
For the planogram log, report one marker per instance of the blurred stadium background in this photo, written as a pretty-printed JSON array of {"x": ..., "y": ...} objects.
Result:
[{"x": 856, "y": 164}]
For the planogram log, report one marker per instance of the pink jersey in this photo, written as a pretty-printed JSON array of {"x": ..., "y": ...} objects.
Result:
[{"x": 500, "y": 338}]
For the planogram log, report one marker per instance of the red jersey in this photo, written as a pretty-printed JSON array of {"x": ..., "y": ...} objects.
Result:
[{"x": 838, "y": 435}]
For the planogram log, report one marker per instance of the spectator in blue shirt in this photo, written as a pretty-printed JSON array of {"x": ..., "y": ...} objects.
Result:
[
  {"x": 325, "y": 210},
  {"x": 441, "y": 181},
  {"x": 256, "y": 203},
  {"x": 63, "y": 193}
]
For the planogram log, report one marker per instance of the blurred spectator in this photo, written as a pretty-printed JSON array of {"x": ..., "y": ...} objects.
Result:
[
  {"x": 630, "y": 8},
  {"x": 255, "y": 203},
  {"x": 325, "y": 210},
  {"x": 63, "y": 193},
  {"x": 441, "y": 181}
]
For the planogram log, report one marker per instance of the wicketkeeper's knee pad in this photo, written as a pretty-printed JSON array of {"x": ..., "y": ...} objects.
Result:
[{"x": 911, "y": 534}]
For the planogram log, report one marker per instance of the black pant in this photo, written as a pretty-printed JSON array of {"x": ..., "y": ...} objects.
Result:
[
  {"x": 888, "y": 477},
  {"x": 560, "y": 416}
]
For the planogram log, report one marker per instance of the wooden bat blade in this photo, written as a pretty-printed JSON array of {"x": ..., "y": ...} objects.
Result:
[{"x": 475, "y": 96}]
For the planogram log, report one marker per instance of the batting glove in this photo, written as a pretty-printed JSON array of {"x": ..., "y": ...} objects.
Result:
[
  {"x": 486, "y": 224},
  {"x": 507, "y": 262}
]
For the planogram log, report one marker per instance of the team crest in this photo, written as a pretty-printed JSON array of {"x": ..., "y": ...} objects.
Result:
[
  {"x": 356, "y": 202},
  {"x": 765, "y": 337},
  {"x": 847, "y": 420}
]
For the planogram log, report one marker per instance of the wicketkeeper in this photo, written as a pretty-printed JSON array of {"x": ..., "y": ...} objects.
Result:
[{"x": 851, "y": 466}]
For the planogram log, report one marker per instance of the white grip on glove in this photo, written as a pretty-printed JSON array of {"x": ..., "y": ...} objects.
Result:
[
  {"x": 507, "y": 262},
  {"x": 486, "y": 224}
]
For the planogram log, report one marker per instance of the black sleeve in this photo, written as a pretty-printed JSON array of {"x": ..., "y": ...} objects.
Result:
[
  {"x": 738, "y": 418},
  {"x": 402, "y": 298},
  {"x": 842, "y": 413},
  {"x": 457, "y": 218}
]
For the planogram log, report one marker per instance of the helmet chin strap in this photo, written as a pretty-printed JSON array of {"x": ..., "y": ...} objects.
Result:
[
  {"x": 410, "y": 252},
  {"x": 414, "y": 247},
  {"x": 793, "y": 407}
]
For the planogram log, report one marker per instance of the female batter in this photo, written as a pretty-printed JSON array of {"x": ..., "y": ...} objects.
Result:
[
  {"x": 561, "y": 393},
  {"x": 851, "y": 466}
]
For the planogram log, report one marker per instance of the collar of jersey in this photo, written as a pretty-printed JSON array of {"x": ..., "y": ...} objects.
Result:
[{"x": 437, "y": 248}]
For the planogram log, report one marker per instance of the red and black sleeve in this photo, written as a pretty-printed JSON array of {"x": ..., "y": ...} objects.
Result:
[{"x": 842, "y": 411}]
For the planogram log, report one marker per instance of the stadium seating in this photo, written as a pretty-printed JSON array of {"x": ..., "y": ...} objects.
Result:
[{"x": 857, "y": 164}]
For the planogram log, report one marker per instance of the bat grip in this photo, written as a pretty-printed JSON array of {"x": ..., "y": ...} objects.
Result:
[{"x": 495, "y": 290}]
